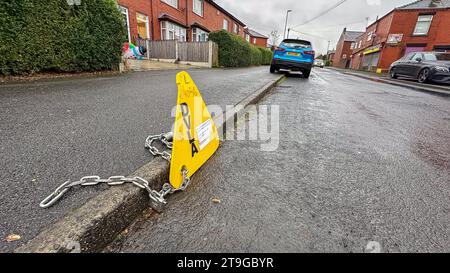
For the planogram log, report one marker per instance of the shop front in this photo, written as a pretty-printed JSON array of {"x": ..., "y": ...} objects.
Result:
[{"x": 371, "y": 57}]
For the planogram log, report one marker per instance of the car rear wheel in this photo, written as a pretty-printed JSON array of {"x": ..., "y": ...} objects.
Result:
[
  {"x": 424, "y": 75},
  {"x": 392, "y": 73},
  {"x": 273, "y": 69},
  {"x": 306, "y": 74}
]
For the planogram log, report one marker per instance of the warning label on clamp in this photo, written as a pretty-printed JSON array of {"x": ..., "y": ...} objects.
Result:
[{"x": 204, "y": 133}]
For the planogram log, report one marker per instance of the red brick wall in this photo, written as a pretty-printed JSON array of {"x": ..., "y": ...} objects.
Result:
[
  {"x": 383, "y": 28},
  {"x": 134, "y": 6},
  {"x": 212, "y": 18},
  {"x": 405, "y": 22},
  {"x": 262, "y": 42},
  {"x": 342, "y": 48},
  {"x": 356, "y": 61}
]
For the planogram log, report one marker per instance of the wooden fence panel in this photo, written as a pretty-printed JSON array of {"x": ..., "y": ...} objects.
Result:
[
  {"x": 193, "y": 52},
  {"x": 162, "y": 49},
  {"x": 198, "y": 52}
]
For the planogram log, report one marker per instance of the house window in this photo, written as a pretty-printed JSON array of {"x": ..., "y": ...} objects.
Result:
[
  {"x": 143, "y": 26},
  {"x": 423, "y": 24},
  {"x": 352, "y": 46},
  {"x": 360, "y": 44},
  {"x": 254, "y": 41},
  {"x": 171, "y": 31},
  {"x": 225, "y": 24},
  {"x": 369, "y": 36},
  {"x": 198, "y": 7},
  {"x": 126, "y": 19},
  {"x": 199, "y": 35},
  {"x": 173, "y": 3},
  {"x": 247, "y": 38},
  {"x": 235, "y": 28}
]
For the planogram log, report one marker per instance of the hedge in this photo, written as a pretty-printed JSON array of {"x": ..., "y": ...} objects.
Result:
[
  {"x": 234, "y": 51},
  {"x": 48, "y": 35}
]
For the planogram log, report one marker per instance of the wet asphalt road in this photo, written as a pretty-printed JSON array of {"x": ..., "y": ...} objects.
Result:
[
  {"x": 358, "y": 162},
  {"x": 53, "y": 131}
]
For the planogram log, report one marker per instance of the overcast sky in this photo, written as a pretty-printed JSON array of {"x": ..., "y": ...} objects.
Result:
[{"x": 267, "y": 15}]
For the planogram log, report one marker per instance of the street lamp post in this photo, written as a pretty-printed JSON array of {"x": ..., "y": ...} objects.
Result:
[{"x": 285, "y": 25}]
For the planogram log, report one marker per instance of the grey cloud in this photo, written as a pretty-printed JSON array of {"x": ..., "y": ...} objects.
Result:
[{"x": 267, "y": 15}]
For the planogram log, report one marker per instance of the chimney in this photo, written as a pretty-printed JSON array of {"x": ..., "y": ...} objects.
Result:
[{"x": 435, "y": 3}]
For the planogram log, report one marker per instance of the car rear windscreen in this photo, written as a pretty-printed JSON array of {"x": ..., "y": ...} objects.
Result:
[{"x": 296, "y": 44}]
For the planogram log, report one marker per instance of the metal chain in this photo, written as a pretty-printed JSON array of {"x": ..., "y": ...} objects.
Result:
[
  {"x": 166, "y": 139},
  {"x": 157, "y": 197}
]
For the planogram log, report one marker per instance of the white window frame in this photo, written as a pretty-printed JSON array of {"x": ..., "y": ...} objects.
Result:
[
  {"x": 247, "y": 37},
  {"x": 423, "y": 19},
  {"x": 236, "y": 28},
  {"x": 198, "y": 9},
  {"x": 172, "y": 31},
  {"x": 172, "y": 3},
  {"x": 369, "y": 36},
  {"x": 146, "y": 21},
  {"x": 199, "y": 35},
  {"x": 124, "y": 11},
  {"x": 225, "y": 24},
  {"x": 254, "y": 40}
]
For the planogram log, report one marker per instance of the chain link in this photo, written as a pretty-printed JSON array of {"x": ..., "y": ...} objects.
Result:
[
  {"x": 157, "y": 198},
  {"x": 165, "y": 139}
]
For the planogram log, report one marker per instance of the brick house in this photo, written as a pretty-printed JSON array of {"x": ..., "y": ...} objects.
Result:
[
  {"x": 256, "y": 38},
  {"x": 423, "y": 25},
  {"x": 342, "y": 56},
  {"x": 330, "y": 55},
  {"x": 184, "y": 20}
]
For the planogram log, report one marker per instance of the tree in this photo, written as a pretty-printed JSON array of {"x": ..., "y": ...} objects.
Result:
[{"x": 274, "y": 37}]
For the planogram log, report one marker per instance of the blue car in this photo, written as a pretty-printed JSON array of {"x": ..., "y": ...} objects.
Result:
[{"x": 294, "y": 55}]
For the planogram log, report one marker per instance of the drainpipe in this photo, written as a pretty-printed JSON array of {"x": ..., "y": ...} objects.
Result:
[
  {"x": 152, "y": 35},
  {"x": 187, "y": 21},
  {"x": 373, "y": 41}
]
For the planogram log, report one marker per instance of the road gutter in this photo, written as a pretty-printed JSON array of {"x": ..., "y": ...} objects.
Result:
[{"x": 97, "y": 223}]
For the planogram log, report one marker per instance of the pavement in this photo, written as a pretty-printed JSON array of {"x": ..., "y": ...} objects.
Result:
[
  {"x": 146, "y": 65},
  {"x": 53, "y": 131},
  {"x": 361, "y": 167},
  {"x": 438, "y": 88}
]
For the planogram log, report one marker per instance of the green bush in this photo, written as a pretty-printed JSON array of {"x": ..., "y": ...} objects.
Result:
[
  {"x": 234, "y": 51},
  {"x": 267, "y": 56},
  {"x": 48, "y": 35}
]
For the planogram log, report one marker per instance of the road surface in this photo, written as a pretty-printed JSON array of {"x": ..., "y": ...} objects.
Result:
[
  {"x": 53, "y": 131},
  {"x": 361, "y": 167}
]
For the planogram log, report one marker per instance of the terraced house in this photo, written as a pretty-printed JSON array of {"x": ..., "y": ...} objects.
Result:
[
  {"x": 422, "y": 25},
  {"x": 183, "y": 20}
]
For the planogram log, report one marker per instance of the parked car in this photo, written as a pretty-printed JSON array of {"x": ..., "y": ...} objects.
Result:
[
  {"x": 319, "y": 63},
  {"x": 294, "y": 55},
  {"x": 423, "y": 66}
]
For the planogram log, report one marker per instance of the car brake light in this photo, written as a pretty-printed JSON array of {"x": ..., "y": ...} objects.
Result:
[
  {"x": 311, "y": 52},
  {"x": 280, "y": 49}
]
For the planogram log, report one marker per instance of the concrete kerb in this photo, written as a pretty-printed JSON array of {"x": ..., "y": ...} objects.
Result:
[
  {"x": 97, "y": 223},
  {"x": 432, "y": 89}
]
